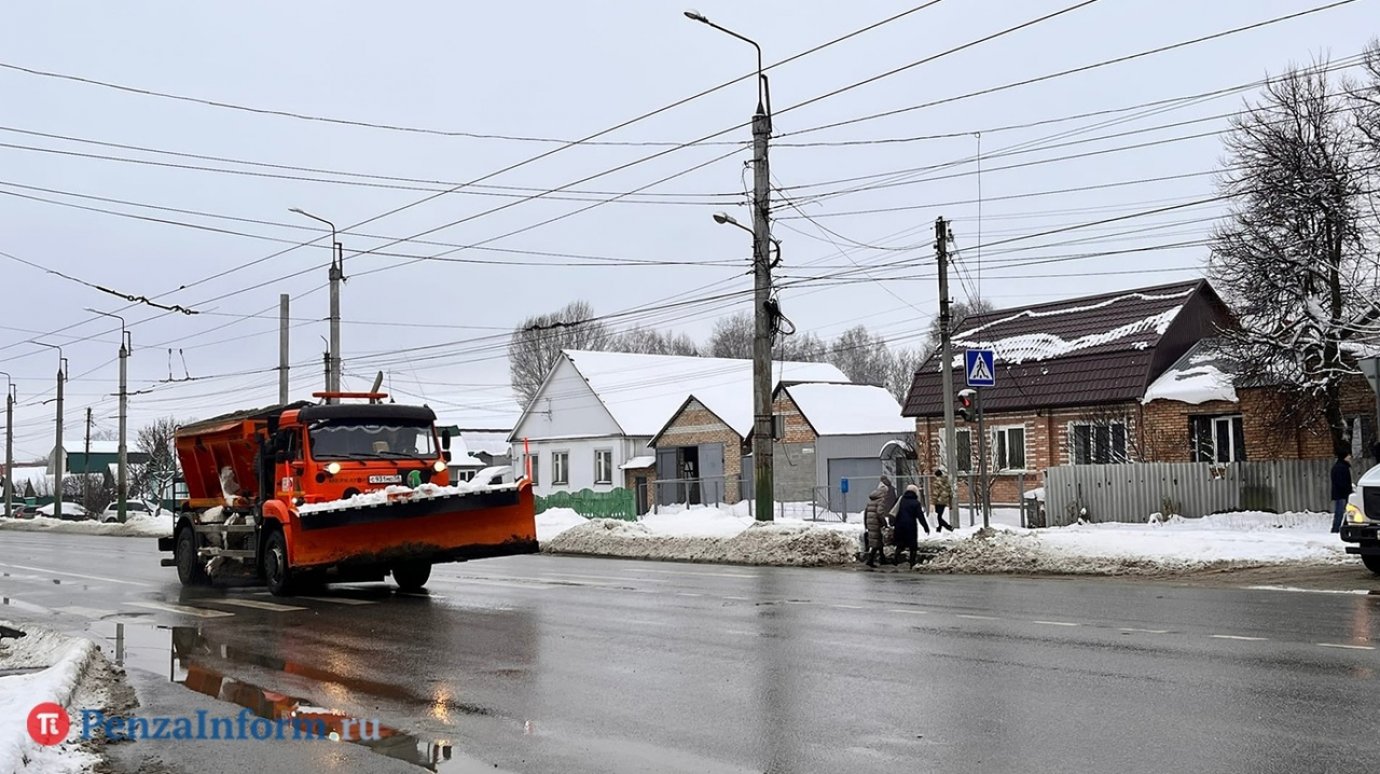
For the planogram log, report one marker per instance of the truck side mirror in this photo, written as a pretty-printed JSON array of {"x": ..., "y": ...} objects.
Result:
[
  {"x": 445, "y": 440},
  {"x": 447, "y": 455}
]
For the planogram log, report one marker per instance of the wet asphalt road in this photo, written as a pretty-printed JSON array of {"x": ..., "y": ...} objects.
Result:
[{"x": 542, "y": 663}]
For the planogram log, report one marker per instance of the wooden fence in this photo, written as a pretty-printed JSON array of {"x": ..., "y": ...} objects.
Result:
[{"x": 1133, "y": 491}]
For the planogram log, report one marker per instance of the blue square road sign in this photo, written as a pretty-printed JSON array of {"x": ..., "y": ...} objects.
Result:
[{"x": 980, "y": 367}]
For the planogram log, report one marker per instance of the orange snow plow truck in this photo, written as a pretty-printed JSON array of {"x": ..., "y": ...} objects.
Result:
[{"x": 311, "y": 493}]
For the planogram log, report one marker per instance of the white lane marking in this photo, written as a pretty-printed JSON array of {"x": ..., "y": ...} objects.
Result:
[
  {"x": 619, "y": 578},
  {"x": 1145, "y": 631},
  {"x": 1344, "y": 646},
  {"x": 256, "y": 604},
  {"x": 910, "y": 612},
  {"x": 500, "y": 584},
  {"x": 183, "y": 609},
  {"x": 341, "y": 600},
  {"x": 741, "y": 599},
  {"x": 645, "y": 622},
  {"x": 840, "y": 607},
  {"x": 977, "y": 617},
  {"x": 1310, "y": 591},
  {"x": 85, "y": 612},
  {"x": 1056, "y": 623},
  {"x": 1238, "y": 637},
  {"x": 699, "y": 574},
  {"x": 687, "y": 594},
  {"x": 75, "y": 575}
]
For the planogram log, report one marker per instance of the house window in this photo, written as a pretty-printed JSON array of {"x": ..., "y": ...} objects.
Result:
[
  {"x": 560, "y": 468},
  {"x": 534, "y": 462},
  {"x": 1217, "y": 439},
  {"x": 1097, "y": 443},
  {"x": 603, "y": 466},
  {"x": 1008, "y": 448},
  {"x": 963, "y": 440}
]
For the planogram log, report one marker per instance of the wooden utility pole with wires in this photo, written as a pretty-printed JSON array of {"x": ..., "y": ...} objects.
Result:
[
  {"x": 946, "y": 355},
  {"x": 86, "y": 465}
]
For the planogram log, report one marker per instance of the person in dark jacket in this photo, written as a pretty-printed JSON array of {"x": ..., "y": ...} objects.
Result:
[
  {"x": 1341, "y": 489},
  {"x": 873, "y": 519},
  {"x": 910, "y": 513}
]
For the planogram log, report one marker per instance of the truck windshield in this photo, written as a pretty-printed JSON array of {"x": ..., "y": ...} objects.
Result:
[{"x": 353, "y": 441}]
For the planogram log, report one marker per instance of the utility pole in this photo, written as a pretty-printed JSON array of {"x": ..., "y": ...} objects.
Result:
[
  {"x": 762, "y": 438},
  {"x": 283, "y": 339},
  {"x": 9, "y": 446},
  {"x": 61, "y": 454},
  {"x": 986, "y": 501},
  {"x": 337, "y": 274},
  {"x": 946, "y": 355},
  {"x": 122, "y": 475},
  {"x": 86, "y": 464},
  {"x": 328, "y": 374}
]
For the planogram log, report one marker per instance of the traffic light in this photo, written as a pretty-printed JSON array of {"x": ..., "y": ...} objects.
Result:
[{"x": 966, "y": 408}]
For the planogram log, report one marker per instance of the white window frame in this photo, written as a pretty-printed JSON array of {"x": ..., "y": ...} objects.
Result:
[
  {"x": 534, "y": 461},
  {"x": 603, "y": 458},
  {"x": 560, "y": 468},
  {"x": 1232, "y": 452},
  {"x": 964, "y": 466},
  {"x": 1112, "y": 457},
  {"x": 1005, "y": 430}
]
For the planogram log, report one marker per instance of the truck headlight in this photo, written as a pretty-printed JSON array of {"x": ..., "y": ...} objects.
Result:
[
  {"x": 1354, "y": 514},
  {"x": 333, "y": 468},
  {"x": 439, "y": 466}
]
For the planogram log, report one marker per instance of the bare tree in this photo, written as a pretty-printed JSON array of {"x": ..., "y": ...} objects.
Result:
[
  {"x": 645, "y": 341},
  {"x": 801, "y": 348},
  {"x": 732, "y": 337},
  {"x": 862, "y": 356},
  {"x": 1291, "y": 257},
  {"x": 901, "y": 374},
  {"x": 155, "y": 440},
  {"x": 960, "y": 311},
  {"x": 535, "y": 345}
]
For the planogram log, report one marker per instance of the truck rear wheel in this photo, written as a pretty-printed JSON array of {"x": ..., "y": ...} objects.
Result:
[
  {"x": 190, "y": 570},
  {"x": 1372, "y": 562},
  {"x": 412, "y": 576},
  {"x": 277, "y": 573}
]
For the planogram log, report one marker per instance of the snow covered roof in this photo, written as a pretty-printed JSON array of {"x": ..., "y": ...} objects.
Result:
[
  {"x": 849, "y": 409},
  {"x": 638, "y": 463},
  {"x": 491, "y": 442},
  {"x": 1201, "y": 375},
  {"x": 1088, "y": 351},
  {"x": 642, "y": 392}
]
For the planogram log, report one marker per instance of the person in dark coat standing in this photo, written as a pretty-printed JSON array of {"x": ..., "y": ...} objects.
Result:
[
  {"x": 910, "y": 514},
  {"x": 1341, "y": 489},
  {"x": 873, "y": 519}
]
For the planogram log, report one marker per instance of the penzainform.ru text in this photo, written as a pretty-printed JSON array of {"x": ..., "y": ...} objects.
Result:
[{"x": 245, "y": 726}]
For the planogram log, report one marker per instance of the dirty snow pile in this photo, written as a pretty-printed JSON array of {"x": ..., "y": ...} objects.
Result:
[
  {"x": 1164, "y": 545},
  {"x": 62, "y": 664},
  {"x": 396, "y": 493},
  {"x": 797, "y": 544},
  {"x": 138, "y": 525}
]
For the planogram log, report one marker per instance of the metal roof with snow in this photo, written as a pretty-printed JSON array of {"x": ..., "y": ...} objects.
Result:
[
  {"x": 849, "y": 409},
  {"x": 643, "y": 392},
  {"x": 1086, "y": 351}
]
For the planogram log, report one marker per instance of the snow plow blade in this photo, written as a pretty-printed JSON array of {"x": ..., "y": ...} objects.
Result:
[{"x": 415, "y": 526}]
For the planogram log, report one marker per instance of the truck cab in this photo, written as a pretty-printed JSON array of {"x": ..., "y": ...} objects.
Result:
[
  {"x": 332, "y": 491},
  {"x": 1362, "y": 523}
]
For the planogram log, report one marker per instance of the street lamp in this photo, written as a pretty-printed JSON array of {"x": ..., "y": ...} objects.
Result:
[
  {"x": 337, "y": 274},
  {"x": 763, "y": 310},
  {"x": 122, "y": 477},
  {"x": 723, "y": 218},
  {"x": 59, "y": 453}
]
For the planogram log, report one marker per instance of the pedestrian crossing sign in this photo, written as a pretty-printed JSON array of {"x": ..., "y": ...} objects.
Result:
[{"x": 980, "y": 366}]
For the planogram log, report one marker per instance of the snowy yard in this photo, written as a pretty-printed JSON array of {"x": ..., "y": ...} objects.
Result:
[
  {"x": 701, "y": 533},
  {"x": 140, "y": 525}
]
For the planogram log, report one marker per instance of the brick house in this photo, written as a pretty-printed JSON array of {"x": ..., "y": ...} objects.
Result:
[
  {"x": 1071, "y": 379},
  {"x": 1195, "y": 412}
]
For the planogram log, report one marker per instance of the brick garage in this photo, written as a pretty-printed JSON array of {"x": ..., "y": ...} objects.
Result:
[{"x": 696, "y": 426}]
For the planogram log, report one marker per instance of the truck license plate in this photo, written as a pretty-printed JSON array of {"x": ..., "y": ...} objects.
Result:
[{"x": 396, "y": 478}]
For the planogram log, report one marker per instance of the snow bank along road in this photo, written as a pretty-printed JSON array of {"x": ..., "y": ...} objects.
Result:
[{"x": 547, "y": 663}]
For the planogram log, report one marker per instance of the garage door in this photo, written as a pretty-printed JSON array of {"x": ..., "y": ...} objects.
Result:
[{"x": 862, "y": 474}]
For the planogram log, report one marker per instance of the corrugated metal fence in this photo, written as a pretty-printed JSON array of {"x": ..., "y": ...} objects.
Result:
[{"x": 1131, "y": 492}]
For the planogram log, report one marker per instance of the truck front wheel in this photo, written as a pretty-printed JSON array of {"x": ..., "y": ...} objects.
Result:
[
  {"x": 1372, "y": 562},
  {"x": 190, "y": 570},
  {"x": 277, "y": 573},
  {"x": 412, "y": 576}
]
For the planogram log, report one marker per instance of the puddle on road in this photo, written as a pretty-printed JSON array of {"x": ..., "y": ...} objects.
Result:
[{"x": 181, "y": 652}]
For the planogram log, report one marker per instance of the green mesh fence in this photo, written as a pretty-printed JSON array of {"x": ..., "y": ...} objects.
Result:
[{"x": 617, "y": 504}]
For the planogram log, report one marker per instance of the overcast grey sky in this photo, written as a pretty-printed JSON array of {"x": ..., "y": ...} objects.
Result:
[{"x": 562, "y": 71}]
